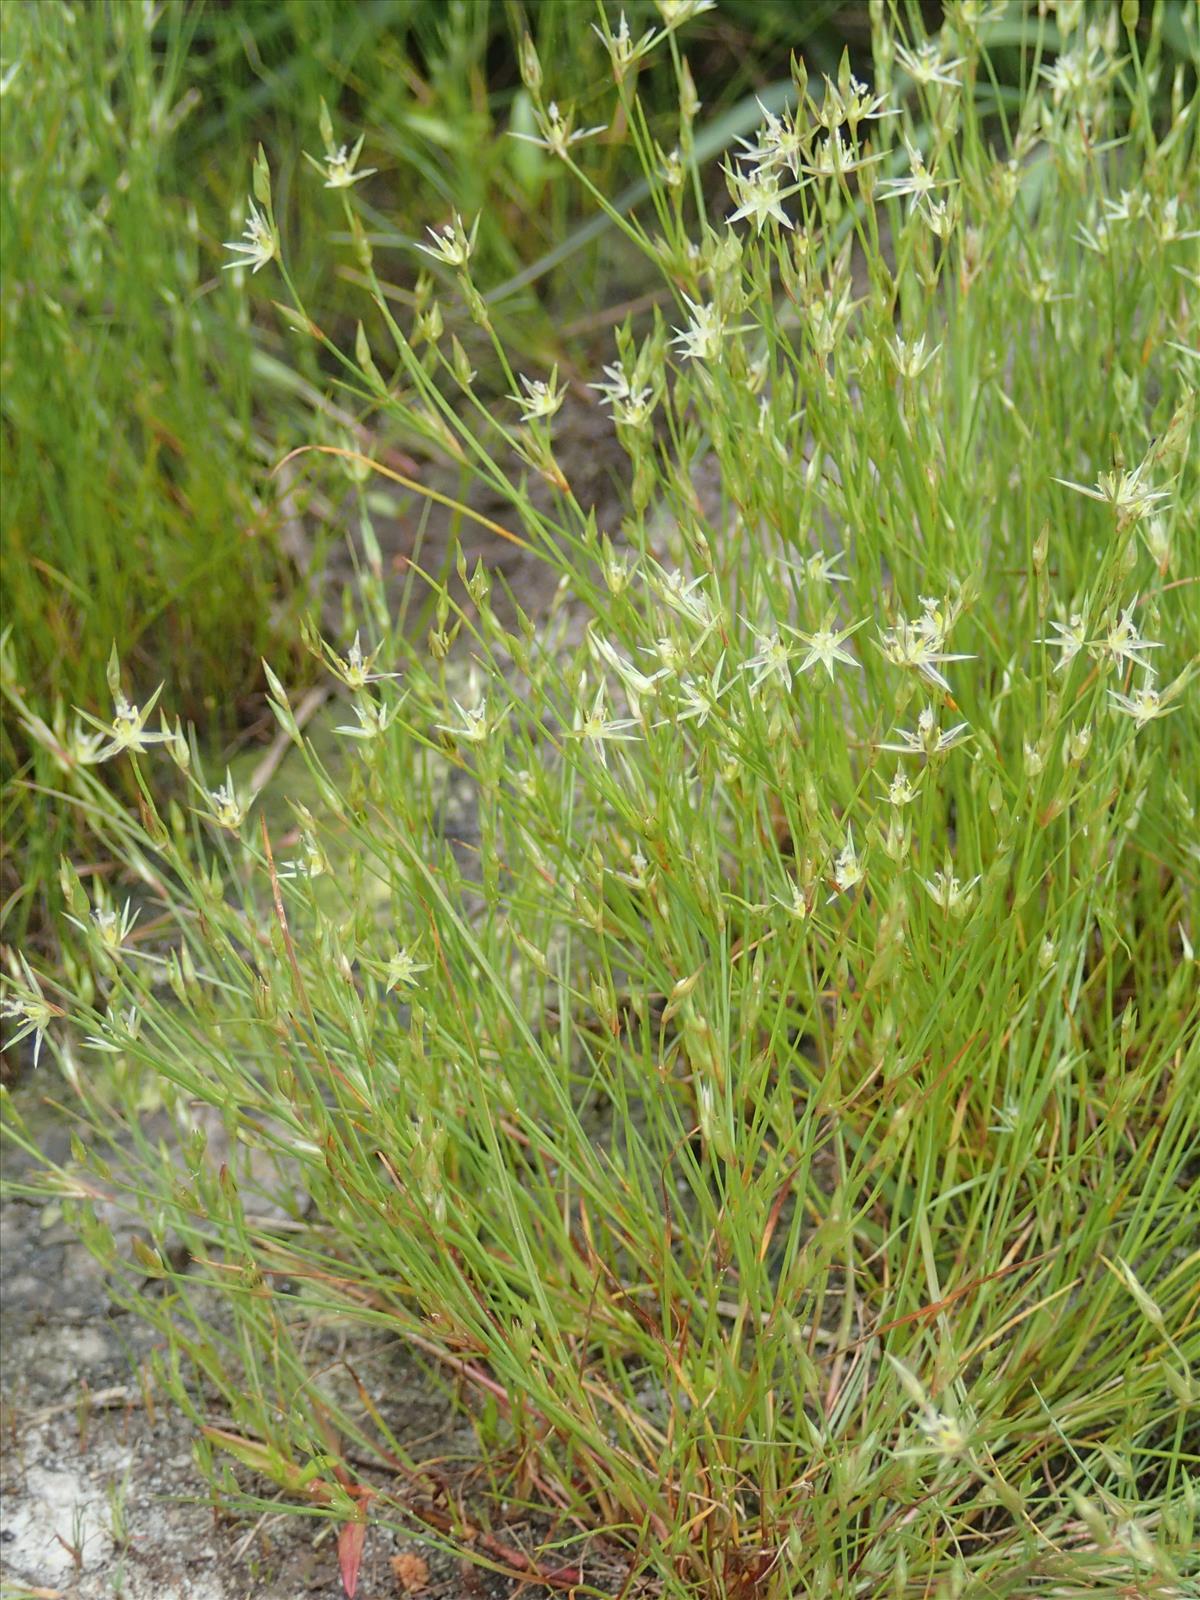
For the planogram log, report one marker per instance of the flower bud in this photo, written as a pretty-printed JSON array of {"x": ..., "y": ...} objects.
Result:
[
  {"x": 261, "y": 180},
  {"x": 459, "y": 364},
  {"x": 1079, "y": 742},
  {"x": 429, "y": 326},
  {"x": 689, "y": 100},
  {"x": 530, "y": 66},
  {"x": 1041, "y": 547},
  {"x": 1158, "y": 543}
]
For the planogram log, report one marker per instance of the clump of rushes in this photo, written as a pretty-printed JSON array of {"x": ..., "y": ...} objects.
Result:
[{"x": 773, "y": 1097}]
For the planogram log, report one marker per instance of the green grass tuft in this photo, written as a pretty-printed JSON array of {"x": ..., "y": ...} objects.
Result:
[{"x": 739, "y": 1024}]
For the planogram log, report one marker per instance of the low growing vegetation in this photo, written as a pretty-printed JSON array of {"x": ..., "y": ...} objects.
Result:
[{"x": 740, "y": 1023}]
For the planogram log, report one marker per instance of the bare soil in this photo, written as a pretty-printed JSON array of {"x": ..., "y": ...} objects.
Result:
[{"x": 101, "y": 1498}]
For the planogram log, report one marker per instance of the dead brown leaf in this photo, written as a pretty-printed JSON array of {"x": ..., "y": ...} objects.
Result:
[{"x": 410, "y": 1572}]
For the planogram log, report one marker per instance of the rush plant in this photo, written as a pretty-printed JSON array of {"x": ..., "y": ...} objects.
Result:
[{"x": 738, "y": 1024}]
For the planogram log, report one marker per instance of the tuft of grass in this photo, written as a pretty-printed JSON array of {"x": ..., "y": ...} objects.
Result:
[
  {"x": 133, "y": 506},
  {"x": 740, "y": 1025}
]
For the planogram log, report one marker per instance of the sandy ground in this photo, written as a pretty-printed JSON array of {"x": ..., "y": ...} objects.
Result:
[{"x": 100, "y": 1496}]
